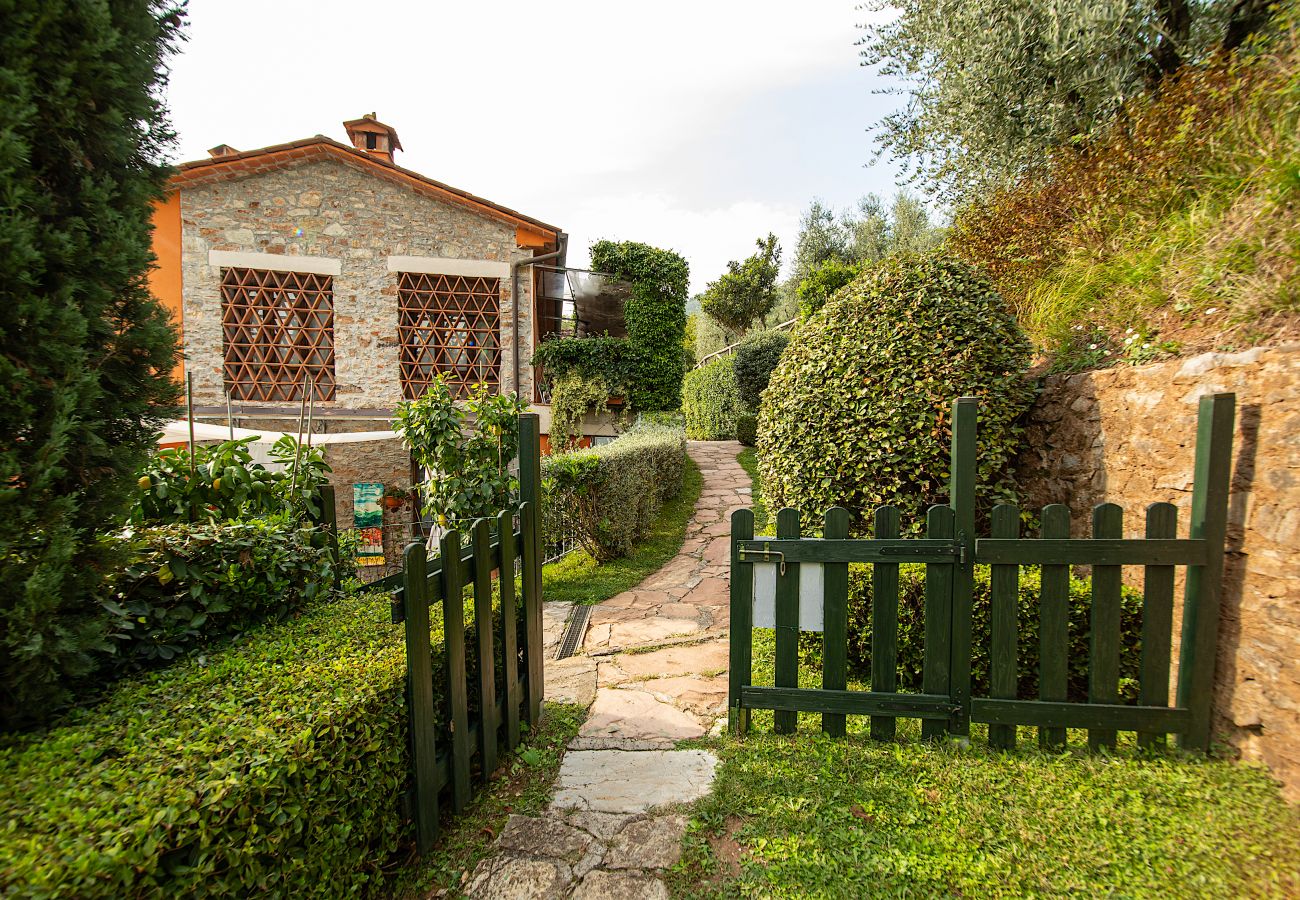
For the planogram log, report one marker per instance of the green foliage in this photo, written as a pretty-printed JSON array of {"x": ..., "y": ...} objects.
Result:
[
  {"x": 747, "y": 429},
  {"x": 867, "y": 234},
  {"x": 274, "y": 767},
  {"x": 748, "y": 460},
  {"x": 655, "y": 316},
  {"x": 822, "y": 282},
  {"x": 995, "y": 87},
  {"x": 746, "y": 292},
  {"x": 754, "y": 361},
  {"x": 579, "y": 578},
  {"x": 591, "y": 357},
  {"x": 85, "y": 352},
  {"x": 611, "y": 495},
  {"x": 466, "y": 448},
  {"x": 1180, "y": 221},
  {"x": 911, "y": 632},
  {"x": 711, "y": 401},
  {"x": 857, "y": 413},
  {"x": 187, "y": 585},
  {"x": 227, "y": 484},
  {"x": 572, "y": 397}
]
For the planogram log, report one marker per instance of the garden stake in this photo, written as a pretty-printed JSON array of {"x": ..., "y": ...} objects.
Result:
[{"x": 189, "y": 414}]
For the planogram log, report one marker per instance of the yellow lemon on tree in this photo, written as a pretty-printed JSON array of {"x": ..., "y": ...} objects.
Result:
[
  {"x": 144, "y": 483},
  {"x": 216, "y": 484},
  {"x": 442, "y": 520}
]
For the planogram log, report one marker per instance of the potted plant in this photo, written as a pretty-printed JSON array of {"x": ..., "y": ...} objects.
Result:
[{"x": 395, "y": 497}]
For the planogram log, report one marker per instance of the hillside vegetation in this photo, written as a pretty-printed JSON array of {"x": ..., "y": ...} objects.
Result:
[{"x": 1176, "y": 233}]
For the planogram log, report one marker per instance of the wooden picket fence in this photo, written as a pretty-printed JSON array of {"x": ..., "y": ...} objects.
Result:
[
  {"x": 486, "y": 560},
  {"x": 950, "y": 551}
]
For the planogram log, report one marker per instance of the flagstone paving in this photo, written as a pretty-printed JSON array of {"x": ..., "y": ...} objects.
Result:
[{"x": 653, "y": 671}]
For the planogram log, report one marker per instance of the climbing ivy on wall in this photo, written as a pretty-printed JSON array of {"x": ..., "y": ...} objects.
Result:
[{"x": 655, "y": 316}]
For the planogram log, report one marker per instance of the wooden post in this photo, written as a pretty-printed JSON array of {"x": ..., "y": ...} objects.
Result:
[
  {"x": 509, "y": 625},
  {"x": 1104, "y": 623},
  {"x": 530, "y": 495},
  {"x": 1004, "y": 598},
  {"x": 453, "y": 634},
  {"x": 835, "y": 620},
  {"x": 419, "y": 694},
  {"x": 329, "y": 520},
  {"x": 961, "y": 497},
  {"x": 785, "y": 721},
  {"x": 1157, "y": 621},
  {"x": 741, "y": 669},
  {"x": 1054, "y": 626},
  {"x": 484, "y": 626},
  {"x": 935, "y": 670},
  {"x": 884, "y": 623},
  {"x": 1209, "y": 522}
]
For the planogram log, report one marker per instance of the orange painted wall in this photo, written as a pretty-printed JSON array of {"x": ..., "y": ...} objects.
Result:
[{"x": 165, "y": 281}]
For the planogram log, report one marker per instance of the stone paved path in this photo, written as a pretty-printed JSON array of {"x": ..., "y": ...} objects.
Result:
[{"x": 653, "y": 671}]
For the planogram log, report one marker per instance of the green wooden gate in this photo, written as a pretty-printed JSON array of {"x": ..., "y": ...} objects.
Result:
[
  {"x": 950, "y": 551},
  {"x": 507, "y": 633}
]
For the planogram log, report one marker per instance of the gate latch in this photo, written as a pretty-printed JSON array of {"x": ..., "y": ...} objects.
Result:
[{"x": 765, "y": 555}]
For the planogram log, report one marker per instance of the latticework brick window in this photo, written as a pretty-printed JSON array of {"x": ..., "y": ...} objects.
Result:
[
  {"x": 277, "y": 334},
  {"x": 449, "y": 325}
]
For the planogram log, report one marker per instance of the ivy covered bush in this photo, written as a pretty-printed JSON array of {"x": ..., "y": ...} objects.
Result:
[
  {"x": 655, "y": 316},
  {"x": 610, "y": 495},
  {"x": 187, "y": 585},
  {"x": 277, "y": 768},
  {"x": 711, "y": 401},
  {"x": 754, "y": 361},
  {"x": 858, "y": 411},
  {"x": 911, "y": 632}
]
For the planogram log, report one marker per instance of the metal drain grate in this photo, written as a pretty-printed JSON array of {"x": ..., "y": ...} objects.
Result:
[{"x": 574, "y": 632}]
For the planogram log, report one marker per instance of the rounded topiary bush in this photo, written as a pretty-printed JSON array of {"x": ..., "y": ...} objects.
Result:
[
  {"x": 711, "y": 401},
  {"x": 747, "y": 429},
  {"x": 755, "y": 359},
  {"x": 858, "y": 411}
]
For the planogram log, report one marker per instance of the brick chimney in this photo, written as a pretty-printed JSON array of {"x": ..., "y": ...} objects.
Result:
[{"x": 369, "y": 134}]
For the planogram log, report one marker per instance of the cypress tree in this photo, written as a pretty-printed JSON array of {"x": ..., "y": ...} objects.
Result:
[{"x": 86, "y": 353}]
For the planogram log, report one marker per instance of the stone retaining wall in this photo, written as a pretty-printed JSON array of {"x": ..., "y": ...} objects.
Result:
[{"x": 1127, "y": 435}]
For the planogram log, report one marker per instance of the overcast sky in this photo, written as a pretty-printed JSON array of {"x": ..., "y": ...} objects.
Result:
[{"x": 697, "y": 126}]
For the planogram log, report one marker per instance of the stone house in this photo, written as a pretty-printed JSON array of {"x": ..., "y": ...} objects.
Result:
[{"x": 324, "y": 266}]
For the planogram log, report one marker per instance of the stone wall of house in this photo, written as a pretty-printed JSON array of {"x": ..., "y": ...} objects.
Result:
[
  {"x": 1127, "y": 436},
  {"x": 329, "y": 208}
]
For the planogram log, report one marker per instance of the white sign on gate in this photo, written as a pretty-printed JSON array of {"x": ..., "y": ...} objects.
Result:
[{"x": 811, "y": 583}]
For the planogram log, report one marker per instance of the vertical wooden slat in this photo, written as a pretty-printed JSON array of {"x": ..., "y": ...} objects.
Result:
[
  {"x": 419, "y": 695},
  {"x": 835, "y": 620},
  {"x": 1209, "y": 521},
  {"x": 884, "y": 623},
  {"x": 961, "y": 496},
  {"x": 787, "y": 622},
  {"x": 532, "y": 586},
  {"x": 1004, "y": 590},
  {"x": 1157, "y": 620},
  {"x": 530, "y": 492},
  {"x": 742, "y": 622},
  {"x": 1054, "y": 625},
  {"x": 509, "y": 625},
  {"x": 938, "y": 619},
  {"x": 453, "y": 630},
  {"x": 1103, "y": 648},
  {"x": 329, "y": 520},
  {"x": 485, "y": 628}
]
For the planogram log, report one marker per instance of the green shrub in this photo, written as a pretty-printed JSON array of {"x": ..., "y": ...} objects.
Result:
[
  {"x": 275, "y": 768},
  {"x": 610, "y": 495},
  {"x": 822, "y": 283},
  {"x": 857, "y": 413},
  {"x": 189, "y": 584},
  {"x": 223, "y": 482},
  {"x": 655, "y": 316},
  {"x": 911, "y": 632},
  {"x": 747, "y": 429},
  {"x": 711, "y": 401},
  {"x": 755, "y": 359}
]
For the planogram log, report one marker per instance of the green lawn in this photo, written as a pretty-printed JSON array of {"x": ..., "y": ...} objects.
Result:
[
  {"x": 577, "y": 578},
  {"x": 748, "y": 459},
  {"x": 809, "y": 816},
  {"x": 523, "y": 787}
]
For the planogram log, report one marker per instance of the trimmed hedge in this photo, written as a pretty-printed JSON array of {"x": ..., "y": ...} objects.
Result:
[
  {"x": 610, "y": 495},
  {"x": 276, "y": 768},
  {"x": 711, "y": 401},
  {"x": 747, "y": 429},
  {"x": 189, "y": 584},
  {"x": 755, "y": 359},
  {"x": 858, "y": 411},
  {"x": 911, "y": 632}
]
